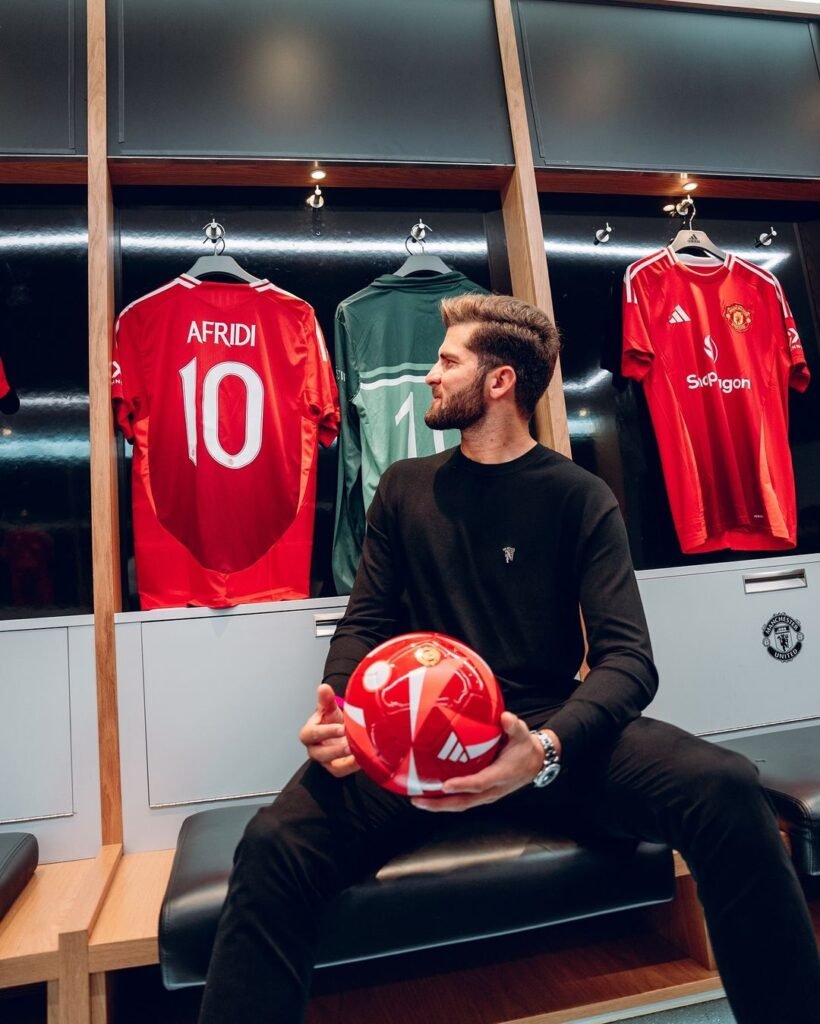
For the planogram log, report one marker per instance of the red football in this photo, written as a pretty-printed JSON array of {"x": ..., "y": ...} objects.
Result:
[{"x": 420, "y": 709}]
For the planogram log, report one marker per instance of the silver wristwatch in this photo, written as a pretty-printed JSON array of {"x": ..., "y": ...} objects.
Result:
[{"x": 551, "y": 767}]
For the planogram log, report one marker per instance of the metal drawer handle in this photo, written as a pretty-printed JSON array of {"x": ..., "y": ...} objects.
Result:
[
  {"x": 325, "y": 623},
  {"x": 787, "y": 579}
]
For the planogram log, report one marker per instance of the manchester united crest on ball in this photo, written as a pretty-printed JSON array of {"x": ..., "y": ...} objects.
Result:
[
  {"x": 738, "y": 316},
  {"x": 783, "y": 637},
  {"x": 428, "y": 655}
]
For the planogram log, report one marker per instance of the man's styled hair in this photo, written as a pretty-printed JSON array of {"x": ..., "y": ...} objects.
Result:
[{"x": 509, "y": 332}]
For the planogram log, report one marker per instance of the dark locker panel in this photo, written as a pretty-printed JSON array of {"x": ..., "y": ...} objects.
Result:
[
  {"x": 626, "y": 87},
  {"x": 45, "y": 494},
  {"x": 371, "y": 80},
  {"x": 42, "y": 77}
]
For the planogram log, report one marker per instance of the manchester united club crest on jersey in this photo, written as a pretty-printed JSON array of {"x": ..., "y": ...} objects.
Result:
[
  {"x": 783, "y": 637},
  {"x": 738, "y": 316}
]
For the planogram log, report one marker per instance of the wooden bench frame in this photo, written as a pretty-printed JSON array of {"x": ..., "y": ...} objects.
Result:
[
  {"x": 44, "y": 937},
  {"x": 78, "y": 921}
]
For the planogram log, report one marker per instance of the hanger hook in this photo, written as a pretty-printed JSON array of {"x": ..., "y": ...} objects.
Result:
[
  {"x": 215, "y": 234},
  {"x": 419, "y": 231},
  {"x": 766, "y": 238},
  {"x": 685, "y": 208}
]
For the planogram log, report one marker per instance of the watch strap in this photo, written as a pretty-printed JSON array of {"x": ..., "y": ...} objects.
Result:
[{"x": 552, "y": 765}]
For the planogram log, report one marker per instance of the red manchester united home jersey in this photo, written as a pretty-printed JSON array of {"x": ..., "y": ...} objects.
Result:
[
  {"x": 716, "y": 349},
  {"x": 224, "y": 390}
]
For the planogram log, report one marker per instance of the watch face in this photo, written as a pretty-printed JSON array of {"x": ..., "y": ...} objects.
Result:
[{"x": 547, "y": 775}]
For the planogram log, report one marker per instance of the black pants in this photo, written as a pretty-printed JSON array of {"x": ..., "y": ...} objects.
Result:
[{"x": 656, "y": 782}]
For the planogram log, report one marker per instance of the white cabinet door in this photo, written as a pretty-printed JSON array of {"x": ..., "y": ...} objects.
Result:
[
  {"x": 210, "y": 706},
  {"x": 35, "y": 725},
  {"x": 708, "y": 629},
  {"x": 225, "y": 698}
]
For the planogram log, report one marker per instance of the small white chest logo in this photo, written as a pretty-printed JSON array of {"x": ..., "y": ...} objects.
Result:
[
  {"x": 710, "y": 347},
  {"x": 509, "y": 554},
  {"x": 679, "y": 316}
]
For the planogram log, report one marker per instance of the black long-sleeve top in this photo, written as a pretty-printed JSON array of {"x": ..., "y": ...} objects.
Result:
[{"x": 501, "y": 556}]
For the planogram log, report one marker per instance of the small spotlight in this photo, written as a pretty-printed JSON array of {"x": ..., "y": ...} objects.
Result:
[
  {"x": 318, "y": 174},
  {"x": 669, "y": 208},
  {"x": 690, "y": 186}
]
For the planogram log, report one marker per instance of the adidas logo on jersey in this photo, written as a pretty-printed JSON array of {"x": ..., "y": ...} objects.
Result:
[
  {"x": 679, "y": 316},
  {"x": 221, "y": 333}
]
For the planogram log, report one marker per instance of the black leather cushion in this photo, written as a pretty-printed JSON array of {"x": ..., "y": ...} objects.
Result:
[
  {"x": 19, "y": 854},
  {"x": 476, "y": 879},
  {"x": 789, "y": 764}
]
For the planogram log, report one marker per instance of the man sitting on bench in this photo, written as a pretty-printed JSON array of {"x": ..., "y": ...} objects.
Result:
[{"x": 436, "y": 557}]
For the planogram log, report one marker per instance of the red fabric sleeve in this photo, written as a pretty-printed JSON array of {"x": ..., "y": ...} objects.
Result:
[{"x": 637, "y": 355}]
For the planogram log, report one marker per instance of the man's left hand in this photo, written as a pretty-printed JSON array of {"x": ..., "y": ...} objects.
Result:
[{"x": 516, "y": 766}]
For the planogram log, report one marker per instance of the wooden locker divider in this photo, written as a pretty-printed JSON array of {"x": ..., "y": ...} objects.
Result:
[
  {"x": 522, "y": 225},
  {"x": 104, "y": 511}
]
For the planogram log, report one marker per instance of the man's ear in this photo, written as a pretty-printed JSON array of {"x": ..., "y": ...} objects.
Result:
[{"x": 501, "y": 381}]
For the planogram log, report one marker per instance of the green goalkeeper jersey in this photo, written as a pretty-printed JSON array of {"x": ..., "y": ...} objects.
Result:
[{"x": 387, "y": 338}]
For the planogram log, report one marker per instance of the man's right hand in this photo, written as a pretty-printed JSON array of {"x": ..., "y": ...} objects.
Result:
[{"x": 323, "y": 735}]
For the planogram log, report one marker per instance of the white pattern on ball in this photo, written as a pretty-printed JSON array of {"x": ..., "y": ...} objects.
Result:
[{"x": 376, "y": 675}]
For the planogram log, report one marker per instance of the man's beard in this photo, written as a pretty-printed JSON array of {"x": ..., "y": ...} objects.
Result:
[{"x": 462, "y": 410}]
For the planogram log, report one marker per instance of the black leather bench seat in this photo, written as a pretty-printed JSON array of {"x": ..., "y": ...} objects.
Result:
[
  {"x": 19, "y": 854},
  {"x": 479, "y": 878},
  {"x": 789, "y": 765}
]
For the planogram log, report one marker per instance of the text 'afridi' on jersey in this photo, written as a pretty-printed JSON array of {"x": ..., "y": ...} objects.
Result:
[
  {"x": 716, "y": 349},
  {"x": 224, "y": 390},
  {"x": 387, "y": 338}
]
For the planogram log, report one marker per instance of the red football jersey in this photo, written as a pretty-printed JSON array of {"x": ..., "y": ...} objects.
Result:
[
  {"x": 5, "y": 387},
  {"x": 715, "y": 346},
  {"x": 224, "y": 390}
]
